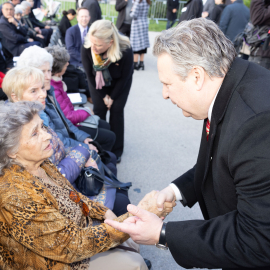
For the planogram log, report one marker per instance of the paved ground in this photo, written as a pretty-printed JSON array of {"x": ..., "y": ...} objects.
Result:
[{"x": 160, "y": 144}]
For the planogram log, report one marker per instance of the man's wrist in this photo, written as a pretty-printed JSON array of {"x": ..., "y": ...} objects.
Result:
[
  {"x": 162, "y": 243},
  {"x": 177, "y": 193}
]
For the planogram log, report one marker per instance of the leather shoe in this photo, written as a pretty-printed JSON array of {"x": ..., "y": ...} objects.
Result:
[
  {"x": 118, "y": 160},
  {"x": 148, "y": 263}
]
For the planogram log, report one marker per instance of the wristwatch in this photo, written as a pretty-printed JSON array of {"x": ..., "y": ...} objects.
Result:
[{"x": 162, "y": 244}]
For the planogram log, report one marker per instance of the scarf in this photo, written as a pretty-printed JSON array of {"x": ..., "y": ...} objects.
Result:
[{"x": 103, "y": 76}]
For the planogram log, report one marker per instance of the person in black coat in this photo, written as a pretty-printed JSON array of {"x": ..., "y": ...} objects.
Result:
[
  {"x": 109, "y": 70},
  {"x": 65, "y": 23},
  {"x": 13, "y": 34},
  {"x": 216, "y": 12},
  {"x": 94, "y": 10},
  {"x": 191, "y": 10},
  {"x": 172, "y": 8},
  {"x": 231, "y": 178},
  {"x": 124, "y": 20},
  {"x": 260, "y": 16}
]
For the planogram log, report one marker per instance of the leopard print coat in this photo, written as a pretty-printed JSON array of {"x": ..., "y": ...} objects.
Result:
[{"x": 34, "y": 235}]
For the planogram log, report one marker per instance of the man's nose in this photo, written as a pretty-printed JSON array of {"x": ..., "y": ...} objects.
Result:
[{"x": 165, "y": 93}]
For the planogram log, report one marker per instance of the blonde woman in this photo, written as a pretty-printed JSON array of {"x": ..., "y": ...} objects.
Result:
[{"x": 108, "y": 62}]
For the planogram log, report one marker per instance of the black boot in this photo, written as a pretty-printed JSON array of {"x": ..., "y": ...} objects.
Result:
[
  {"x": 136, "y": 66},
  {"x": 141, "y": 65}
]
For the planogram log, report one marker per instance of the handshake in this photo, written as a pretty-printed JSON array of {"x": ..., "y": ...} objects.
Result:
[{"x": 159, "y": 203}]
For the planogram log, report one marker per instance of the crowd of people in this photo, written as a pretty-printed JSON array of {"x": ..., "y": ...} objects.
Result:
[{"x": 47, "y": 143}]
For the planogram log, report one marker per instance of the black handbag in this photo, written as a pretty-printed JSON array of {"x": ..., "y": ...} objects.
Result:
[{"x": 91, "y": 180}]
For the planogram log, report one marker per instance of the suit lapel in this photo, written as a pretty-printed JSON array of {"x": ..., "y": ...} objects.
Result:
[
  {"x": 78, "y": 35},
  {"x": 203, "y": 177}
]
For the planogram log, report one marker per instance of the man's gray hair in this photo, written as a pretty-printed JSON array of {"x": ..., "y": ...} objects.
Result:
[
  {"x": 35, "y": 56},
  {"x": 198, "y": 42},
  {"x": 60, "y": 58},
  {"x": 24, "y": 5},
  {"x": 13, "y": 116}
]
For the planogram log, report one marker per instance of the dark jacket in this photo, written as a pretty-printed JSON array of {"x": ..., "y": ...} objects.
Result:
[
  {"x": 13, "y": 37},
  {"x": 73, "y": 44},
  {"x": 209, "y": 6},
  {"x": 120, "y": 6},
  {"x": 193, "y": 10},
  {"x": 35, "y": 21},
  {"x": 64, "y": 25},
  {"x": 231, "y": 180},
  {"x": 216, "y": 12},
  {"x": 94, "y": 10},
  {"x": 69, "y": 134},
  {"x": 234, "y": 19},
  {"x": 172, "y": 4},
  {"x": 121, "y": 73},
  {"x": 260, "y": 15}
]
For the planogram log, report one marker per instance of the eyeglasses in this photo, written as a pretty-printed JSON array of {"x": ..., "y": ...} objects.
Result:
[{"x": 75, "y": 198}]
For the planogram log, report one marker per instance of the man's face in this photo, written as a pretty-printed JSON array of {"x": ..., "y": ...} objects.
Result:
[
  {"x": 8, "y": 10},
  {"x": 31, "y": 2},
  {"x": 27, "y": 11},
  {"x": 83, "y": 17},
  {"x": 184, "y": 94}
]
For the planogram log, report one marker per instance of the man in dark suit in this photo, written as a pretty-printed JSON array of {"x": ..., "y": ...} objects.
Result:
[
  {"x": 75, "y": 37},
  {"x": 14, "y": 35},
  {"x": 14, "y": 2},
  {"x": 94, "y": 10},
  {"x": 200, "y": 73},
  {"x": 172, "y": 8}
]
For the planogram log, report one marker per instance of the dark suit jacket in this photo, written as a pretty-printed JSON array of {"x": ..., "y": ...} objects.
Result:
[
  {"x": 194, "y": 10},
  {"x": 120, "y": 6},
  {"x": 74, "y": 43},
  {"x": 35, "y": 22},
  {"x": 13, "y": 38},
  {"x": 231, "y": 179},
  {"x": 94, "y": 10},
  {"x": 172, "y": 4}
]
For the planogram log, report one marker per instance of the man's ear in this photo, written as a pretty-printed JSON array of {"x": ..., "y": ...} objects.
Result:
[
  {"x": 12, "y": 155},
  {"x": 14, "y": 98},
  {"x": 198, "y": 76}
]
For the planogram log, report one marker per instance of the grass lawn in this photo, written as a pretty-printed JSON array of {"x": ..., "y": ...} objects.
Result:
[{"x": 153, "y": 25}]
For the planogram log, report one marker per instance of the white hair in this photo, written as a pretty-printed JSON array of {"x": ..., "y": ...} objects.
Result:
[
  {"x": 13, "y": 116},
  {"x": 24, "y": 5},
  {"x": 18, "y": 9},
  {"x": 198, "y": 42},
  {"x": 35, "y": 56}
]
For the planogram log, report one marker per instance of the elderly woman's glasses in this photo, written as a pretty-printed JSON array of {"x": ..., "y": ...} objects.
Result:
[{"x": 76, "y": 198}]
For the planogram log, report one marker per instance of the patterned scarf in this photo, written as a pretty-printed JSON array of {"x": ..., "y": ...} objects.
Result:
[{"x": 103, "y": 76}]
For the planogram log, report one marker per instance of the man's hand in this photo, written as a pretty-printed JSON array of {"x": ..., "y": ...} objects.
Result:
[
  {"x": 205, "y": 14},
  {"x": 110, "y": 215},
  {"x": 47, "y": 27},
  {"x": 174, "y": 10},
  {"x": 91, "y": 146},
  {"x": 144, "y": 227},
  {"x": 149, "y": 203},
  {"x": 13, "y": 21},
  {"x": 37, "y": 29},
  {"x": 165, "y": 195},
  {"x": 30, "y": 40}
]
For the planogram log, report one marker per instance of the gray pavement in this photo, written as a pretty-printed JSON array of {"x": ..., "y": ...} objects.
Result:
[{"x": 160, "y": 145}]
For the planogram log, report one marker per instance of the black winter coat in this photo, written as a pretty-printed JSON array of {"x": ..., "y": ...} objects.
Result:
[
  {"x": 172, "y": 4},
  {"x": 193, "y": 10}
]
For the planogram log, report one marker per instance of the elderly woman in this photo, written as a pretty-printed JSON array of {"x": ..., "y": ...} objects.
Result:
[
  {"x": 108, "y": 62},
  {"x": 45, "y": 222},
  {"x": 80, "y": 116},
  {"x": 26, "y": 83}
]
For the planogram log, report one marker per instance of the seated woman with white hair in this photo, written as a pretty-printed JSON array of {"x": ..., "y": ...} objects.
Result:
[
  {"x": 26, "y": 83},
  {"x": 45, "y": 222}
]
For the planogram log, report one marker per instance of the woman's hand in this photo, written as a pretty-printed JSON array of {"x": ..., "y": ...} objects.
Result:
[
  {"x": 91, "y": 163},
  {"x": 106, "y": 100},
  {"x": 149, "y": 203},
  {"x": 109, "y": 215},
  {"x": 91, "y": 146},
  {"x": 110, "y": 103}
]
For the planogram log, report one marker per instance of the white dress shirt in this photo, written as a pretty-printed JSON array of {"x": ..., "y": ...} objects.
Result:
[{"x": 82, "y": 30}]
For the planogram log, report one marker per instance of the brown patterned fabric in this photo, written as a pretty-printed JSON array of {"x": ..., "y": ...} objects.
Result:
[{"x": 38, "y": 232}]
